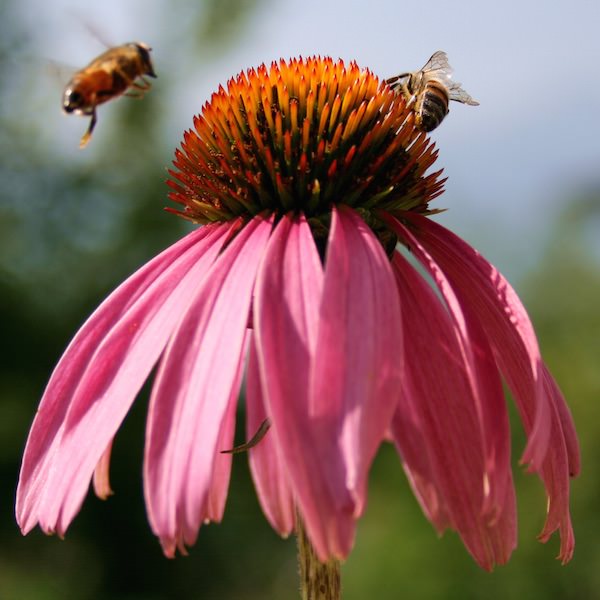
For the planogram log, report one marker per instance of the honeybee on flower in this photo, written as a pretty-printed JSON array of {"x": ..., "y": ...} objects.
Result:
[{"x": 430, "y": 89}]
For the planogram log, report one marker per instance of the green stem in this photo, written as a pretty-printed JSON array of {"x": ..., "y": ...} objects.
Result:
[{"x": 318, "y": 581}]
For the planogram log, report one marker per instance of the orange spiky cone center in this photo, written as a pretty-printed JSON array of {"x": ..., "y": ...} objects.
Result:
[{"x": 302, "y": 136}]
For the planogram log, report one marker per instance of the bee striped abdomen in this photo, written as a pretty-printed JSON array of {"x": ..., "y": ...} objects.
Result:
[{"x": 433, "y": 107}]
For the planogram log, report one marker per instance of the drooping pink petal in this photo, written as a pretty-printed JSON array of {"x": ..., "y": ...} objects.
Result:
[
  {"x": 483, "y": 378},
  {"x": 407, "y": 435},
  {"x": 552, "y": 448},
  {"x": 328, "y": 349},
  {"x": 566, "y": 422},
  {"x": 221, "y": 473},
  {"x": 357, "y": 368},
  {"x": 438, "y": 404},
  {"x": 504, "y": 535},
  {"x": 197, "y": 376},
  {"x": 506, "y": 323},
  {"x": 266, "y": 463},
  {"x": 98, "y": 377},
  {"x": 286, "y": 311},
  {"x": 561, "y": 462}
]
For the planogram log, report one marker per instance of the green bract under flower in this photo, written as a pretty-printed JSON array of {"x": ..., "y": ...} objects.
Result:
[{"x": 302, "y": 136}]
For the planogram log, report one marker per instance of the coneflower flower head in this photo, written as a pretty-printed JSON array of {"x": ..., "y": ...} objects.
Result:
[
  {"x": 300, "y": 137},
  {"x": 307, "y": 177}
]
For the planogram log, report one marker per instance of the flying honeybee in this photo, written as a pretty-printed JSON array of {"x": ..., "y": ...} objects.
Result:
[
  {"x": 431, "y": 90},
  {"x": 108, "y": 76}
]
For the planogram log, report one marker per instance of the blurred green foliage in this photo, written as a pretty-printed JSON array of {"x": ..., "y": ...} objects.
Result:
[{"x": 71, "y": 229}]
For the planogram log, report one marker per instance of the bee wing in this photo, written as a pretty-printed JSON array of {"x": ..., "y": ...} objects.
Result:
[
  {"x": 456, "y": 93},
  {"x": 438, "y": 67},
  {"x": 438, "y": 63},
  {"x": 59, "y": 71}
]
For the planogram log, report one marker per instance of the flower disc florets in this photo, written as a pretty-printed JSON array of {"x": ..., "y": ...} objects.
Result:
[{"x": 302, "y": 136}]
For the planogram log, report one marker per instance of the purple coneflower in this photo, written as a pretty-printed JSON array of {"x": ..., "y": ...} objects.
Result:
[{"x": 308, "y": 179}]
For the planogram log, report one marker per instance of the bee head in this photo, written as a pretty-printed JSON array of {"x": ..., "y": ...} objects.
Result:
[
  {"x": 144, "y": 52},
  {"x": 73, "y": 101}
]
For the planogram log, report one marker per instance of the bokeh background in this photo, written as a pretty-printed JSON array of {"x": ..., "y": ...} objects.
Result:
[{"x": 524, "y": 188}]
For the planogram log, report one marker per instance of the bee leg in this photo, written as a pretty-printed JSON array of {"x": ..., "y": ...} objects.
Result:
[
  {"x": 88, "y": 134},
  {"x": 409, "y": 97},
  {"x": 396, "y": 81},
  {"x": 253, "y": 441},
  {"x": 140, "y": 89},
  {"x": 141, "y": 84}
]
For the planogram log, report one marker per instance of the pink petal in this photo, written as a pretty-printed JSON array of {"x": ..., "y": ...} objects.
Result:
[
  {"x": 503, "y": 538},
  {"x": 98, "y": 377},
  {"x": 484, "y": 382},
  {"x": 407, "y": 434},
  {"x": 566, "y": 422},
  {"x": 219, "y": 481},
  {"x": 438, "y": 428},
  {"x": 266, "y": 463},
  {"x": 357, "y": 367},
  {"x": 552, "y": 448},
  {"x": 561, "y": 462},
  {"x": 507, "y": 325},
  {"x": 328, "y": 371},
  {"x": 286, "y": 312},
  {"x": 197, "y": 377}
]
